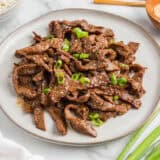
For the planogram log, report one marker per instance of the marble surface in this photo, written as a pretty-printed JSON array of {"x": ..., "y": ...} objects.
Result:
[{"x": 30, "y": 9}]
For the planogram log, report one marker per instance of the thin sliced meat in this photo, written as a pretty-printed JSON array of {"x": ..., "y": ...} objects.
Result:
[
  {"x": 40, "y": 47},
  {"x": 58, "y": 117},
  {"x": 133, "y": 47},
  {"x": 41, "y": 60},
  {"x": 39, "y": 118},
  {"x": 21, "y": 90},
  {"x": 78, "y": 99},
  {"x": 78, "y": 124}
]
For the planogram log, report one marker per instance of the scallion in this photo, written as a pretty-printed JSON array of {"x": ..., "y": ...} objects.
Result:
[
  {"x": 113, "y": 79},
  {"x": 122, "y": 81},
  {"x": 46, "y": 90},
  {"x": 142, "y": 148},
  {"x": 123, "y": 65},
  {"x": 135, "y": 137},
  {"x": 95, "y": 119},
  {"x": 66, "y": 45},
  {"x": 76, "y": 76},
  {"x": 76, "y": 55},
  {"x": 84, "y": 80},
  {"x": 115, "y": 98},
  {"x": 83, "y": 56},
  {"x": 60, "y": 77},
  {"x": 58, "y": 64},
  {"x": 80, "y": 33}
]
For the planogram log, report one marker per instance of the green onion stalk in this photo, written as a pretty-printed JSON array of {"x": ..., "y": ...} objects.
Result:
[{"x": 145, "y": 144}]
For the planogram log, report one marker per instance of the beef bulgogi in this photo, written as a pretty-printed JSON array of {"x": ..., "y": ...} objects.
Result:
[{"x": 80, "y": 75}]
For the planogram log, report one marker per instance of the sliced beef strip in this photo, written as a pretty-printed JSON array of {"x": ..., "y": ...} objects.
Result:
[
  {"x": 78, "y": 124},
  {"x": 58, "y": 117},
  {"x": 89, "y": 28},
  {"x": 133, "y": 47},
  {"x": 78, "y": 99},
  {"x": 40, "y": 47},
  {"x": 83, "y": 111},
  {"x": 38, "y": 77},
  {"x": 41, "y": 60},
  {"x": 21, "y": 90},
  {"x": 39, "y": 118},
  {"x": 99, "y": 79},
  {"x": 100, "y": 104},
  {"x": 125, "y": 96}
]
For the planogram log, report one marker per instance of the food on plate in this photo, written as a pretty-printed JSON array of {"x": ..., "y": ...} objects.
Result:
[{"x": 80, "y": 75}]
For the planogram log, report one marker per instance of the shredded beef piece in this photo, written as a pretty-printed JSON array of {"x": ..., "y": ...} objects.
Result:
[
  {"x": 58, "y": 117},
  {"x": 39, "y": 118},
  {"x": 77, "y": 123}
]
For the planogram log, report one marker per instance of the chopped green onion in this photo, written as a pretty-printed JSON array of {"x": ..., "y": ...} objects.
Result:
[
  {"x": 113, "y": 79},
  {"x": 95, "y": 119},
  {"x": 115, "y": 98},
  {"x": 81, "y": 55},
  {"x": 124, "y": 65},
  {"x": 122, "y": 81},
  {"x": 93, "y": 115},
  {"x": 97, "y": 122},
  {"x": 76, "y": 76},
  {"x": 76, "y": 55},
  {"x": 58, "y": 64},
  {"x": 84, "y": 56},
  {"x": 84, "y": 80},
  {"x": 142, "y": 148},
  {"x": 46, "y": 90},
  {"x": 135, "y": 137},
  {"x": 66, "y": 45},
  {"x": 50, "y": 36},
  {"x": 60, "y": 77},
  {"x": 80, "y": 33}
]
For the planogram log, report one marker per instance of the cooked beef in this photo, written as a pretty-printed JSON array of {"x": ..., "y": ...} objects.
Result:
[
  {"x": 72, "y": 75},
  {"x": 80, "y": 125},
  {"x": 58, "y": 117},
  {"x": 39, "y": 118}
]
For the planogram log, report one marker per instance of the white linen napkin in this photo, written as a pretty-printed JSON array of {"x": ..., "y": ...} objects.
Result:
[{"x": 10, "y": 150}]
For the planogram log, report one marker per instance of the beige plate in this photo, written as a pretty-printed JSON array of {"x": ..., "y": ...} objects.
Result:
[{"x": 148, "y": 55}]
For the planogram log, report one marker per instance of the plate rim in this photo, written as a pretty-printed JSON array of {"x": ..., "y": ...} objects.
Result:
[{"x": 78, "y": 144}]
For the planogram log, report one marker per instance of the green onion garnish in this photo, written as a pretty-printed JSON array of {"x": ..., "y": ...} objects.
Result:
[
  {"x": 84, "y": 80},
  {"x": 93, "y": 115},
  {"x": 76, "y": 55},
  {"x": 60, "y": 77},
  {"x": 80, "y": 33},
  {"x": 95, "y": 119},
  {"x": 113, "y": 79},
  {"x": 58, "y": 64},
  {"x": 50, "y": 36},
  {"x": 81, "y": 55},
  {"x": 46, "y": 90},
  {"x": 115, "y": 98},
  {"x": 124, "y": 65},
  {"x": 76, "y": 76},
  {"x": 122, "y": 81},
  {"x": 84, "y": 56},
  {"x": 66, "y": 45},
  {"x": 97, "y": 122}
]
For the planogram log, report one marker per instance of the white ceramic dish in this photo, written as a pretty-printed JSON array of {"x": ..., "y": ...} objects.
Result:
[
  {"x": 9, "y": 12},
  {"x": 148, "y": 55}
]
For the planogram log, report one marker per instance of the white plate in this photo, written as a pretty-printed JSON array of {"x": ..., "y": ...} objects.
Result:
[{"x": 148, "y": 55}]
